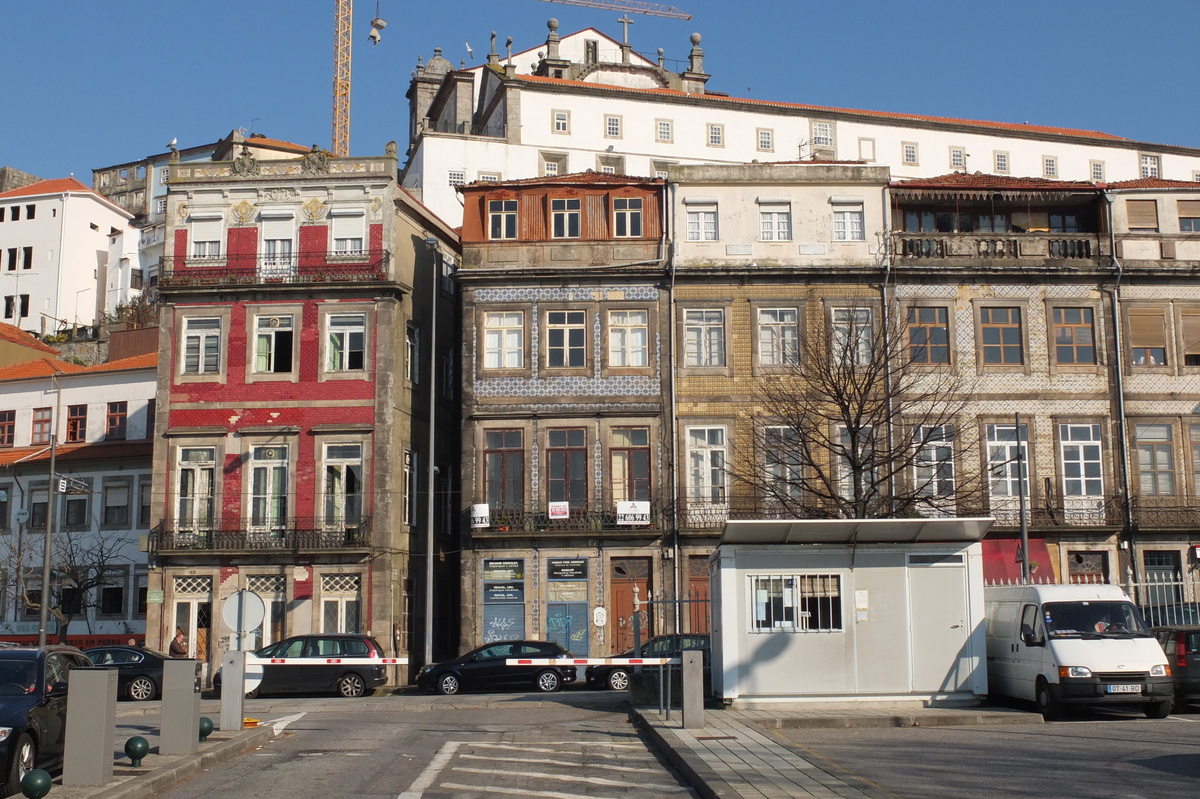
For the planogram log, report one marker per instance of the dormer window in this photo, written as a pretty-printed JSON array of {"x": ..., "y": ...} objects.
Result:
[
  {"x": 564, "y": 215},
  {"x": 627, "y": 217},
  {"x": 502, "y": 219}
]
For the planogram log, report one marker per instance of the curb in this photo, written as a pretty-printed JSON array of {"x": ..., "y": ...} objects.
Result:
[
  {"x": 152, "y": 782},
  {"x": 697, "y": 775},
  {"x": 876, "y": 722}
]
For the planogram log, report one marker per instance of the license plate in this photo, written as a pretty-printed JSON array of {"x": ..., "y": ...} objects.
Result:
[{"x": 1124, "y": 689}]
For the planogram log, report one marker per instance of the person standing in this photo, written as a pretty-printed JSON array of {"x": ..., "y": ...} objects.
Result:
[{"x": 179, "y": 647}]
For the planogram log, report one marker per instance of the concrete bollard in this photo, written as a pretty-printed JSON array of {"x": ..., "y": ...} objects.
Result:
[
  {"x": 693, "y": 690},
  {"x": 180, "y": 708},
  {"x": 91, "y": 720},
  {"x": 233, "y": 694}
]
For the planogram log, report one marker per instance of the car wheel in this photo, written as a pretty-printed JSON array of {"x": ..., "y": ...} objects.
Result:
[
  {"x": 548, "y": 681},
  {"x": 618, "y": 680},
  {"x": 1157, "y": 710},
  {"x": 24, "y": 758},
  {"x": 351, "y": 685},
  {"x": 1046, "y": 705},
  {"x": 141, "y": 689},
  {"x": 448, "y": 684},
  {"x": 252, "y": 694}
]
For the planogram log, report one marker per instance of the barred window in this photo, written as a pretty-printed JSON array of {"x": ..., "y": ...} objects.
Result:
[{"x": 797, "y": 603}]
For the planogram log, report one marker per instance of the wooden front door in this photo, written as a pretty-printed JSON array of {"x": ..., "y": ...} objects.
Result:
[{"x": 626, "y": 574}]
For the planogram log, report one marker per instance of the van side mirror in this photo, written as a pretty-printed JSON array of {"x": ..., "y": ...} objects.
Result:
[{"x": 1028, "y": 637}]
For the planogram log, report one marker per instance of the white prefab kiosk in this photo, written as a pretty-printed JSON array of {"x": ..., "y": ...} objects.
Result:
[{"x": 854, "y": 609}]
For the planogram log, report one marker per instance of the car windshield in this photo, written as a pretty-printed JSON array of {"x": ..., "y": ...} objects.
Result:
[
  {"x": 17, "y": 677},
  {"x": 1094, "y": 620}
]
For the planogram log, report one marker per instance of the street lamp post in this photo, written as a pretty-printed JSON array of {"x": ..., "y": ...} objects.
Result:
[
  {"x": 431, "y": 467},
  {"x": 51, "y": 517}
]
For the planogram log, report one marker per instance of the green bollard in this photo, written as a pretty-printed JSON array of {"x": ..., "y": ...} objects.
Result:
[
  {"x": 206, "y": 728},
  {"x": 136, "y": 748},
  {"x": 35, "y": 784}
]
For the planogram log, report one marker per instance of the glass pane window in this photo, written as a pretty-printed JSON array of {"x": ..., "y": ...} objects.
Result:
[
  {"x": 197, "y": 468},
  {"x": 566, "y": 335},
  {"x": 848, "y": 224},
  {"x": 567, "y": 460},
  {"x": 117, "y": 421},
  {"x": 202, "y": 345},
  {"x": 775, "y": 223},
  {"x": 629, "y": 454},
  {"x": 564, "y": 217},
  {"x": 43, "y": 420},
  {"x": 783, "y": 463},
  {"x": 929, "y": 335},
  {"x": 273, "y": 344},
  {"x": 706, "y": 464},
  {"x": 1155, "y": 460},
  {"x": 1008, "y": 459},
  {"x": 343, "y": 484},
  {"x": 778, "y": 336},
  {"x": 1001, "y": 332},
  {"x": 502, "y": 219},
  {"x": 346, "y": 342},
  {"x": 704, "y": 337},
  {"x": 627, "y": 217},
  {"x": 504, "y": 468},
  {"x": 1082, "y": 470},
  {"x": 503, "y": 340},
  {"x": 116, "y": 503},
  {"x": 269, "y": 488},
  {"x": 702, "y": 224},
  {"x": 628, "y": 339},
  {"x": 853, "y": 335},
  {"x": 796, "y": 603},
  {"x": 933, "y": 467},
  {"x": 76, "y": 423},
  {"x": 1074, "y": 336}
]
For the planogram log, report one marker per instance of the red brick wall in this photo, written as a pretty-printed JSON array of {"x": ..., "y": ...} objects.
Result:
[
  {"x": 314, "y": 243},
  {"x": 243, "y": 243},
  {"x": 181, "y": 243}
]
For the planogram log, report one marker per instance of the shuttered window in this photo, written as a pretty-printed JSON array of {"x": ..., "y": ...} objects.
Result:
[
  {"x": 1189, "y": 216},
  {"x": 1190, "y": 329},
  {"x": 1147, "y": 336},
  {"x": 348, "y": 232},
  {"x": 1143, "y": 214}
]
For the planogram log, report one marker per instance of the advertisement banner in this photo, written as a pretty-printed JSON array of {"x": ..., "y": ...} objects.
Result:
[
  {"x": 503, "y": 570},
  {"x": 480, "y": 516},
  {"x": 566, "y": 568},
  {"x": 633, "y": 513}
]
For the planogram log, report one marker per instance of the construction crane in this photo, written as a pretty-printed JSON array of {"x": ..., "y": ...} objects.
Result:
[
  {"x": 343, "y": 17},
  {"x": 653, "y": 9}
]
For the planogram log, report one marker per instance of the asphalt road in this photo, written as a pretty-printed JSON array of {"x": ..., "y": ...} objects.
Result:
[
  {"x": 1090, "y": 756},
  {"x": 566, "y": 745}
]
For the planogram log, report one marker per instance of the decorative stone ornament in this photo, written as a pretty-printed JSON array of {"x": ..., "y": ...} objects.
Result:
[
  {"x": 315, "y": 162},
  {"x": 242, "y": 213},
  {"x": 314, "y": 210},
  {"x": 245, "y": 163}
]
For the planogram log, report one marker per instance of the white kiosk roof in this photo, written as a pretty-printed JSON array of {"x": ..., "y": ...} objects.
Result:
[{"x": 855, "y": 531}]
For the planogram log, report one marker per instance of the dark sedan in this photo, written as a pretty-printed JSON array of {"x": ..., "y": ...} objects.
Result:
[
  {"x": 33, "y": 708},
  {"x": 616, "y": 678},
  {"x": 1181, "y": 642},
  {"x": 139, "y": 670},
  {"x": 485, "y": 668}
]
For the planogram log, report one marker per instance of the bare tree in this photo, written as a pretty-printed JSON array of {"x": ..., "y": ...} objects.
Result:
[{"x": 860, "y": 419}]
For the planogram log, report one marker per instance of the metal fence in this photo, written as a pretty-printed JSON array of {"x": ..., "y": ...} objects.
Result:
[{"x": 1164, "y": 598}]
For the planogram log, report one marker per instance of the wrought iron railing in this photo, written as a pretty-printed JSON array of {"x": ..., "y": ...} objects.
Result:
[
  {"x": 1069, "y": 246},
  {"x": 321, "y": 267},
  {"x": 304, "y": 534},
  {"x": 465, "y": 129},
  {"x": 580, "y": 519}
]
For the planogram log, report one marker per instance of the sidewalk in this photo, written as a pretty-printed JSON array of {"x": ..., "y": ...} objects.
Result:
[{"x": 734, "y": 756}]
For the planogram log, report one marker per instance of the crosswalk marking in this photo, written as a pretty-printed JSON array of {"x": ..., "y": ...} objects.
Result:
[
  {"x": 565, "y": 778},
  {"x": 518, "y": 791},
  {"x": 547, "y": 761}
]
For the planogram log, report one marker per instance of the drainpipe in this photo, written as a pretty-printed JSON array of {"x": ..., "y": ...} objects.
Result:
[
  {"x": 669, "y": 228},
  {"x": 1119, "y": 379}
]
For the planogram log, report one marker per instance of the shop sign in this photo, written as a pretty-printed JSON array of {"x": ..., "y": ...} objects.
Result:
[
  {"x": 560, "y": 510},
  {"x": 503, "y": 592},
  {"x": 566, "y": 568},
  {"x": 503, "y": 570},
  {"x": 567, "y": 591}
]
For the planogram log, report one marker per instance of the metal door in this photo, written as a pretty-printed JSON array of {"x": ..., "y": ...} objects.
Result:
[{"x": 938, "y": 631}]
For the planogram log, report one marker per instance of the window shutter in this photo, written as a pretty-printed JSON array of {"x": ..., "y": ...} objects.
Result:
[
  {"x": 1191, "y": 333},
  {"x": 206, "y": 230},
  {"x": 1143, "y": 214},
  {"x": 1189, "y": 208},
  {"x": 347, "y": 226},
  {"x": 1146, "y": 328},
  {"x": 278, "y": 227}
]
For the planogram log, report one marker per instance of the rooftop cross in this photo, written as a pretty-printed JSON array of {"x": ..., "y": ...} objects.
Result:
[{"x": 625, "y": 23}]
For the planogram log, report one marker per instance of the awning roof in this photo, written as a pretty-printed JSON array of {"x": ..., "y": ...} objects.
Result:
[{"x": 855, "y": 531}]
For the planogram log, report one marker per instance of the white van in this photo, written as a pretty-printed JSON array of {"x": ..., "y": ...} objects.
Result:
[{"x": 1073, "y": 644}]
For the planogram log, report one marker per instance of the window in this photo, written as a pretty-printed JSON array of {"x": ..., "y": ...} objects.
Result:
[
  {"x": 201, "y": 345},
  {"x": 348, "y": 228},
  {"x": 8, "y": 428},
  {"x": 12, "y": 259},
  {"x": 26, "y": 263},
  {"x": 663, "y": 130},
  {"x": 144, "y": 489},
  {"x": 10, "y": 306},
  {"x": 116, "y": 504},
  {"x": 704, "y": 337},
  {"x": 347, "y": 342},
  {"x": 910, "y": 153},
  {"x": 76, "y": 423},
  {"x": 716, "y": 135},
  {"x": 1049, "y": 166},
  {"x": 1149, "y": 164},
  {"x": 42, "y": 421},
  {"x": 6, "y": 493},
  {"x": 796, "y": 603},
  {"x": 706, "y": 459},
  {"x": 75, "y": 504},
  {"x": 502, "y": 219},
  {"x": 566, "y": 335},
  {"x": 1096, "y": 169},
  {"x": 564, "y": 215},
  {"x": 1079, "y": 450},
  {"x": 702, "y": 223},
  {"x": 775, "y": 222},
  {"x": 273, "y": 344},
  {"x": 853, "y": 335},
  {"x": 1155, "y": 460},
  {"x": 412, "y": 352},
  {"x": 456, "y": 177},
  {"x": 958, "y": 158},
  {"x": 1074, "y": 336},
  {"x": 848, "y": 223},
  {"x": 1085, "y": 567},
  {"x": 1194, "y": 433},
  {"x": 24, "y": 305},
  {"x": 408, "y": 510},
  {"x": 343, "y": 485},
  {"x": 765, "y": 139},
  {"x": 928, "y": 335},
  {"x": 1189, "y": 216},
  {"x": 341, "y": 605},
  {"x": 1142, "y": 215},
  {"x": 1001, "y": 161},
  {"x": 629, "y": 458},
  {"x": 488, "y": 177},
  {"x": 30, "y": 211},
  {"x": 206, "y": 237},
  {"x": 933, "y": 466},
  {"x": 627, "y": 217},
  {"x": 269, "y": 488},
  {"x": 278, "y": 229},
  {"x": 560, "y": 121},
  {"x": 122, "y": 175},
  {"x": 504, "y": 340},
  {"x": 612, "y": 127},
  {"x": 1147, "y": 336},
  {"x": 822, "y": 135},
  {"x": 610, "y": 164},
  {"x": 553, "y": 163},
  {"x": 150, "y": 409},
  {"x": 116, "y": 422},
  {"x": 567, "y": 479},
  {"x": 37, "y": 507},
  {"x": 504, "y": 468},
  {"x": 778, "y": 336},
  {"x": 628, "y": 339},
  {"x": 1000, "y": 330},
  {"x": 783, "y": 464},
  {"x": 1008, "y": 462},
  {"x": 112, "y": 593}
]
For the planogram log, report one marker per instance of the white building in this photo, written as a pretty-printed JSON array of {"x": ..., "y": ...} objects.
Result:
[
  {"x": 585, "y": 101},
  {"x": 54, "y": 254},
  {"x": 102, "y": 418}
]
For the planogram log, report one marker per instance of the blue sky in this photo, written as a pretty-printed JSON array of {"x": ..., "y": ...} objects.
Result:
[{"x": 89, "y": 84}]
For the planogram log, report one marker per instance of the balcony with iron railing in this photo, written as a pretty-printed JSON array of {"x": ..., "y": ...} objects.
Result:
[
  {"x": 356, "y": 266},
  {"x": 463, "y": 129},
  {"x": 999, "y": 246},
  {"x": 587, "y": 520},
  {"x": 299, "y": 535}
]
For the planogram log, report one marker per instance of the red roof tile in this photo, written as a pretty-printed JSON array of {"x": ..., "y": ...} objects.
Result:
[
  {"x": 147, "y": 361},
  {"x": 52, "y": 186},
  {"x": 589, "y": 177},
  {"x": 42, "y": 367},
  {"x": 1154, "y": 183},
  {"x": 74, "y": 453},
  {"x": 16, "y": 335},
  {"x": 978, "y": 180},
  {"x": 277, "y": 143},
  {"x": 893, "y": 115}
]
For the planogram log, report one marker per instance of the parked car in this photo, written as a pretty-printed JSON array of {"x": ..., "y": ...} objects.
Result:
[
  {"x": 1181, "y": 642},
  {"x": 484, "y": 667},
  {"x": 616, "y": 678},
  {"x": 348, "y": 663},
  {"x": 33, "y": 708},
  {"x": 1168, "y": 615},
  {"x": 139, "y": 670}
]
